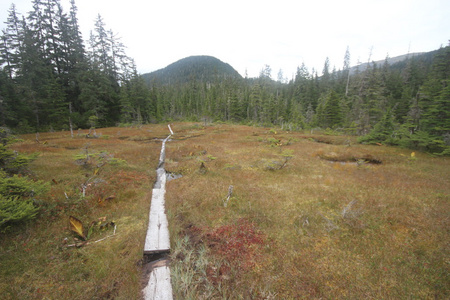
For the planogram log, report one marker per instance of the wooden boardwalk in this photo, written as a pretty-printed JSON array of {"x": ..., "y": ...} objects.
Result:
[
  {"x": 159, "y": 286},
  {"x": 157, "y": 239}
]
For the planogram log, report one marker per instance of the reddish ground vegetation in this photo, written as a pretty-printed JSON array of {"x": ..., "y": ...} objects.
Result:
[{"x": 240, "y": 244}]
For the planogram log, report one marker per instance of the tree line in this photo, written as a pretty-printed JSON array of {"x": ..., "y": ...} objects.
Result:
[
  {"x": 51, "y": 79},
  {"x": 407, "y": 103}
]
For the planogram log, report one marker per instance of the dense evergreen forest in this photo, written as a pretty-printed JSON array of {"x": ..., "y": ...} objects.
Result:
[
  {"x": 406, "y": 103},
  {"x": 51, "y": 79}
]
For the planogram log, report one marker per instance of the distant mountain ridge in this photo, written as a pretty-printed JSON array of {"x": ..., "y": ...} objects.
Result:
[
  {"x": 396, "y": 61},
  {"x": 201, "y": 68},
  {"x": 206, "y": 68}
]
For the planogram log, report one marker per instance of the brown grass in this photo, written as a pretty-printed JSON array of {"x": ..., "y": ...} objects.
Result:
[
  {"x": 389, "y": 243},
  {"x": 317, "y": 228},
  {"x": 35, "y": 262}
]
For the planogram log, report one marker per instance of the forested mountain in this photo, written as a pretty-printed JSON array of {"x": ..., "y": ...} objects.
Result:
[
  {"x": 49, "y": 79},
  {"x": 395, "y": 62},
  {"x": 200, "y": 68},
  {"x": 406, "y": 103}
]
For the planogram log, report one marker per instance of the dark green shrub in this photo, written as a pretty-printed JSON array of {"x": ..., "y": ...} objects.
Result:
[
  {"x": 15, "y": 209},
  {"x": 17, "y": 191}
]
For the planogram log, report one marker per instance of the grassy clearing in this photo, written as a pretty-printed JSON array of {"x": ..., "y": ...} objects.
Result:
[
  {"x": 35, "y": 262},
  {"x": 327, "y": 224},
  {"x": 330, "y": 229}
]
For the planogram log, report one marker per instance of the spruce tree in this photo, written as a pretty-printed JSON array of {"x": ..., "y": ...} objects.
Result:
[
  {"x": 332, "y": 111},
  {"x": 434, "y": 99},
  {"x": 383, "y": 131},
  {"x": 16, "y": 192},
  {"x": 326, "y": 76}
]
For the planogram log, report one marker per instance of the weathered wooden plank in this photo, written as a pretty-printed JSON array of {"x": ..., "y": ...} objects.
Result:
[
  {"x": 159, "y": 286},
  {"x": 157, "y": 238}
]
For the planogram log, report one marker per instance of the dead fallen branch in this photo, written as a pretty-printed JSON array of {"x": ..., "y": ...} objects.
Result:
[
  {"x": 85, "y": 243},
  {"x": 228, "y": 197}
]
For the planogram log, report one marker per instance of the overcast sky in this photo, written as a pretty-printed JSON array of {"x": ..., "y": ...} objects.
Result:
[{"x": 251, "y": 34}]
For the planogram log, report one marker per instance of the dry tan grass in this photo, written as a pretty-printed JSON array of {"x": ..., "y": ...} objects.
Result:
[
  {"x": 311, "y": 229},
  {"x": 35, "y": 261},
  {"x": 388, "y": 244}
]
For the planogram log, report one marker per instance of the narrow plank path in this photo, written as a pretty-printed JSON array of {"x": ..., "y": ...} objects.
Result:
[{"x": 157, "y": 239}]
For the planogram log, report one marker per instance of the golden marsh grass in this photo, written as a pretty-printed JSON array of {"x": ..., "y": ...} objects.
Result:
[{"x": 326, "y": 224}]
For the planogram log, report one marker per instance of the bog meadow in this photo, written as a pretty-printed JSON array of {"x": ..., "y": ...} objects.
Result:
[
  {"x": 330, "y": 184},
  {"x": 309, "y": 216}
]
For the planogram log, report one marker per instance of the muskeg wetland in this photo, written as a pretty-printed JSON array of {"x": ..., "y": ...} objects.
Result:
[{"x": 295, "y": 226}]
